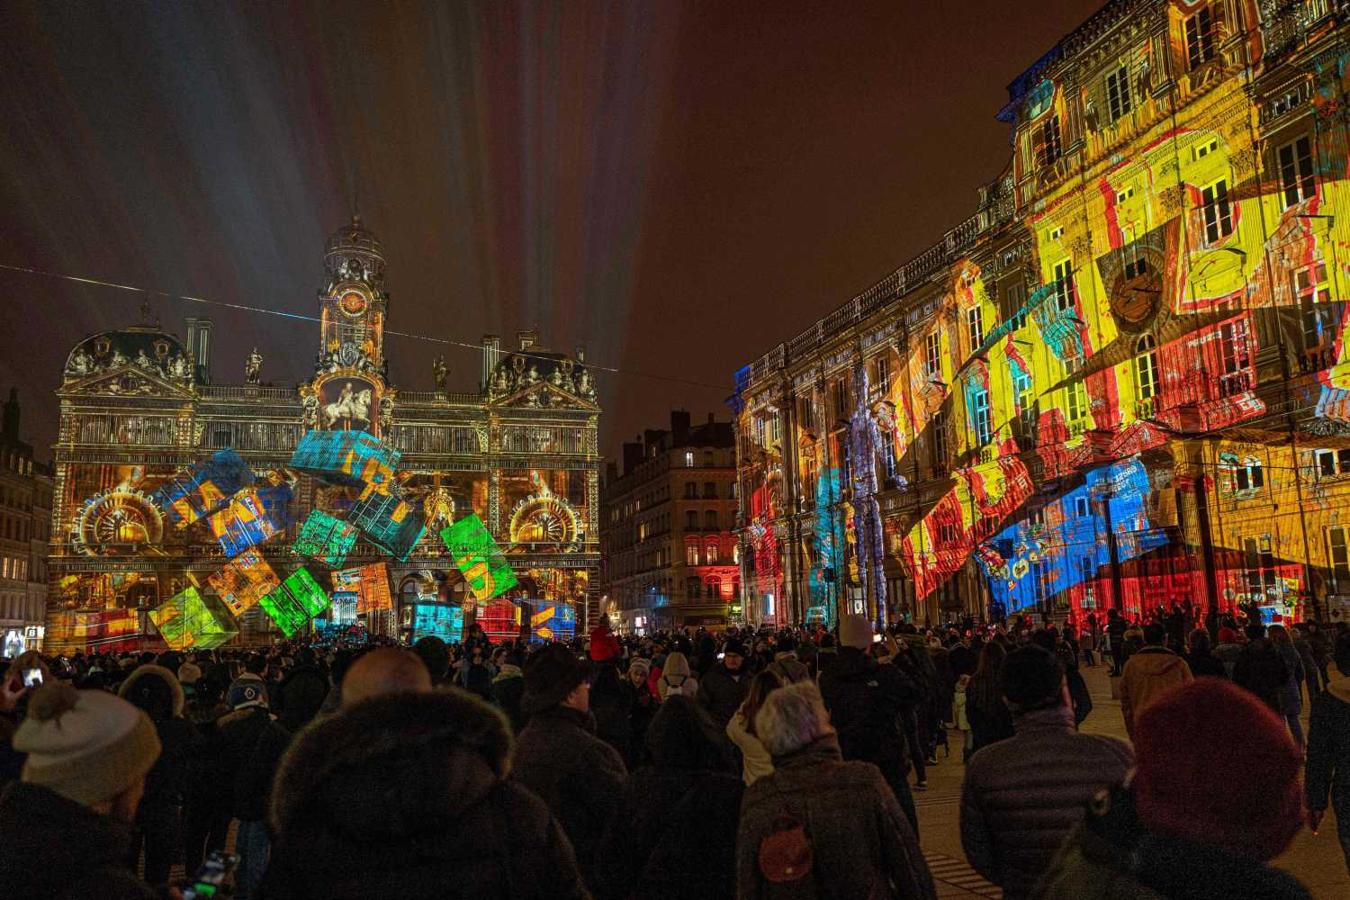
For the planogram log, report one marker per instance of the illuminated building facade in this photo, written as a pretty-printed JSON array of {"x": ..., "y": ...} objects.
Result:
[
  {"x": 1121, "y": 383},
  {"x": 25, "y": 520},
  {"x": 670, "y": 554},
  {"x": 138, "y": 406}
]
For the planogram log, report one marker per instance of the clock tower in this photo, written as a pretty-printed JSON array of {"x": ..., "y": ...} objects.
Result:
[
  {"x": 349, "y": 390},
  {"x": 353, "y": 302}
]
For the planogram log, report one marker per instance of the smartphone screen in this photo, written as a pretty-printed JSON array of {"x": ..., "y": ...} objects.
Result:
[
  {"x": 211, "y": 876},
  {"x": 32, "y": 678}
]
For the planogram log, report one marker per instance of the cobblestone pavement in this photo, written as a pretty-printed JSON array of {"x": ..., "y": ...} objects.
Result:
[{"x": 1315, "y": 860}]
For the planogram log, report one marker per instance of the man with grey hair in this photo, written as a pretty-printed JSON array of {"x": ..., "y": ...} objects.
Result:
[{"x": 860, "y": 842}]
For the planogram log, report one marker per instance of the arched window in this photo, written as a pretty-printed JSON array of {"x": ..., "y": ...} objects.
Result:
[
  {"x": 1145, "y": 368},
  {"x": 714, "y": 584},
  {"x": 712, "y": 553}
]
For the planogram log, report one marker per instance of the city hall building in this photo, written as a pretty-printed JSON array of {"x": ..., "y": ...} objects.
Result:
[
  {"x": 1121, "y": 383},
  {"x": 139, "y": 405}
]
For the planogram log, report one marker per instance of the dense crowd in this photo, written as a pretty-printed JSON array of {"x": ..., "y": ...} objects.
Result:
[{"x": 691, "y": 764}]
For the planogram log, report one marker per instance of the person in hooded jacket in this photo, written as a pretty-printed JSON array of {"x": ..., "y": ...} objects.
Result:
[
  {"x": 866, "y": 701},
  {"x": 1327, "y": 772},
  {"x": 675, "y": 678},
  {"x": 1149, "y": 674},
  {"x": 559, "y": 757},
  {"x": 407, "y": 795},
  {"x": 673, "y": 834},
  {"x": 159, "y": 819},
  {"x": 1197, "y": 819}
]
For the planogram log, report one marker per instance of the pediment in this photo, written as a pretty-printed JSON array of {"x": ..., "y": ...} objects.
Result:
[
  {"x": 128, "y": 381},
  {"x": 543, "y": 395}
]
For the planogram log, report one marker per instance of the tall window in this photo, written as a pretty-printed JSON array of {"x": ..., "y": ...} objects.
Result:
[
  {"x": 689, "y": 458},
  {"x": 1338, "y": 554},
  {"x": 1062, "y": 276},
  {"x": 1046, "y": 139},
  {"x": 1077, "y": 402},
  {"x": 1296, "y": 171},
  {"x": 881, "y": 372},
  {"x": 1313, "y": 294},
  {"x": 937, "y": 428},
  {"x": 1259, "y": 567},
  {"x": 975, "y": 327},
  {"x": 1200, "y": 37},
  {"x": 1016, "y": 298},
  {"x": 1145, "y": 369},
  {"x": 806, "y": 413},
  {"x": 1022, "y": 388},
  {"x": 1218, "y": 214},
  {"x": 693, "y": 588},
  {"x": 691, "y": 521},
  {"x": 1234, "y": 358},
  {"x": 980, "y": 417},
  {"x": 691, "y": 554},
  {"x": 1118, "y": 100},
  {"x": 690, "y": 490},
  {"x": 932, "y": 355},
  {"x": 841, "y": 398},
  {"x": 711, "y": 553},
  {"x": 710, "y": 520}
]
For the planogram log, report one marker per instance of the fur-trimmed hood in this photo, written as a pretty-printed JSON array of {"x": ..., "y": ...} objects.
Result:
[{"x": 439, "y": 753}]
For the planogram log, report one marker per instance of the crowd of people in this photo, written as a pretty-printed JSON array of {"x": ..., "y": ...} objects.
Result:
[{"x": 749, "y": 764}]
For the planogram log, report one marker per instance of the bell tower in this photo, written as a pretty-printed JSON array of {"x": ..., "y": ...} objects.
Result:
[{"x": 353, "y": 302}]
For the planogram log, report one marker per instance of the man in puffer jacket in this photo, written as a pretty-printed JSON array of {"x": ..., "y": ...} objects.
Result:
[
  {"x": 1150, "y": 673},
  {"x": 1013, "y": 818}
]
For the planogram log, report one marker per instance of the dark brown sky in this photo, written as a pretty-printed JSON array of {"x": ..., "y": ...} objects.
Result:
[{"x": 677, "y": 186}]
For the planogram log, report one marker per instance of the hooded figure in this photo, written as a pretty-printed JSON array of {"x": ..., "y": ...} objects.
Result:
[{"x": 406, "y": 795}]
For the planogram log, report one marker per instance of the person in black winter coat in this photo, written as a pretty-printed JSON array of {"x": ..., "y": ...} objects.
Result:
[
  {"x": 559, "y": 757},
  {"x": 674, "y": 832},
  {"x": 159, "y": 819},
  {"x": 206, "y": 792},
  {"x": 406, "y": 795},
  {"x": 722, "y": 689},
  {"x": 508, "y": 687},
  {"x": 865, "y": 700},
  {"x": 251, "y": 747},
  {"x": 1261, "y": 670},
  {"x": 1201, "y": 658},
  {"x": 1327, "y": 772},
  {"x": 611, "y": 704}
]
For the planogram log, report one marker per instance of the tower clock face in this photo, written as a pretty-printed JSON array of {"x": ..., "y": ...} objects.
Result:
[{"x": 352, "y": 303}]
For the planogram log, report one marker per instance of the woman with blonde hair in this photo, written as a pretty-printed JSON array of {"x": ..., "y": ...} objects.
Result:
[
  {"x": 756, "y": 761},
  {"x": 677, "y": 679}
]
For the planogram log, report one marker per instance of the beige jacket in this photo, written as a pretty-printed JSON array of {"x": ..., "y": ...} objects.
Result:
[
  {"x": 757, "y": 761},
  {"x": 1148, "y": 675}
]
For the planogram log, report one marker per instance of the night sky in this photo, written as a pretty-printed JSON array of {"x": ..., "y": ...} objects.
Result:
[{"x": 675, "y": 186}]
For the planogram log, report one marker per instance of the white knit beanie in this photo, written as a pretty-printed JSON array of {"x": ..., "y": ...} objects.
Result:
[{"x": 88, "y": 746}]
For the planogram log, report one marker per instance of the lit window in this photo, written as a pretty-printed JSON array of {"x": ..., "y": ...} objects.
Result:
[
  {"x": 932, "y": 355},
  {"x": 1296, "y": 171},
  {"x": 1046, "y": 142},
  {"x": 1145, "y": 369},
  {"x": 1218, "y": 214},
  {"x": 1062, "y": 279},
  {"x": 975, "y": 327},
  {"x": 711, "y": 553},
  {"x": 691, "y": 554},
  {"x": 1200, "y": 38},
  {"x": 689, "y": 458},
  {"x": 980, "y": 417},
  {"x": 1118, "y": 100},
  {"x": 1338, "y": 549},
  {"x": 1331, "y": 463}
]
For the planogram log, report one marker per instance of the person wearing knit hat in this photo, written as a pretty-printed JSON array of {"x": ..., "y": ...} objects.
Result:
[
  {"x": 66, "y": 826},
  {"x": 1187, "y": 817},
  {"x": 558, "y": 755}
]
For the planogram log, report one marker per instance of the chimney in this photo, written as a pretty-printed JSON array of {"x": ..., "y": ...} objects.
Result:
[
  {"x": 492, "y": 353},
  {"x": 679, "y": 425},
  {"x": 527, "y": 339},
  {"x": 199, "y": 345},
  {"x": 632, "y": 455},
  {"x": 10, "y": 425}
]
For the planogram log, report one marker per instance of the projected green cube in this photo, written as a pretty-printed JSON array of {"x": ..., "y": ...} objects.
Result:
[
  {"x": 192, "y": 620},
  {"x": 478, "y": 558},
  {"x": 325, "y": 538},
  {"x": 298, "y": 599}
]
